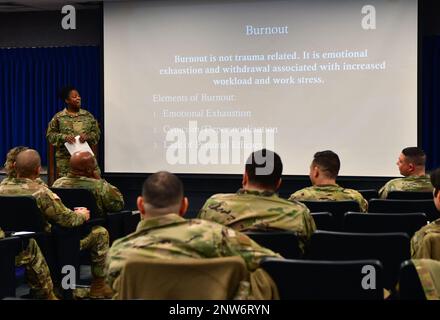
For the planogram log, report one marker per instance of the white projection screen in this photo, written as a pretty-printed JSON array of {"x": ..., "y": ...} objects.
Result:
[{"x": 194, "y": 86}]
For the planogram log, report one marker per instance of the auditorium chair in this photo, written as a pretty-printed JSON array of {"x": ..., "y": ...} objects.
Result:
[
  {"x": 409, "y": 195},
  {"x": 410, "y": 287},
  {"x": 329, "y": 280},
  {"x": 384, "y": 222},
  {"x": 60, "y": 247},
  {"x": 131, "y": 221},
  {"x": 283, "y": 242},
  {"x": 404, "y": 206},
  {"x": 324, "y": 221},
  {"x": 336, "y": 208},
  {"x": 77, "y": 197},
  {"x": 369, "y": 194},
  {"x": 9, "y": 248},
  {"x": 391, "y": 249}
]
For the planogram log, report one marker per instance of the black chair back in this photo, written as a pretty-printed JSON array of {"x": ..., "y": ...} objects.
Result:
[
  {"x": 9, "y": 248},
  {"x": 60, "y": 247},
  {"x": 283, "y": 242},
  {"x": 389, "y": 248},
  {"x": 20, "y": 213},
  {"x": 130, "y": 222},
  {"x": 369, "y": 194},
  {"x": 336, "y": 208},
  {"x": 410, "y": 287},
  {"x": 404, "y": 206},
  {"x": 324, "y": 221},
  {"x": 384, "y": 222},
  {"x": 409, "y": 195},
  {"x": 329, "y": 280},
  {"x": 72, "y": 197}
]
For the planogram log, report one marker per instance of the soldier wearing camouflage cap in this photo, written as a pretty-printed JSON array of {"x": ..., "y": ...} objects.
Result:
[
  {"x": 28, "y": 166},
  {"x": 69, "y": 123},
  {"x": 324, "y": 170},
  {"x": 422, "y": 242},
  {"x": 411, "y": 165},
  {"x": 83, "y": 176},
  {"x": 10, "y": 164},
  {"x": 163, "y": 233},
  {"x": 256, "y": 206}
]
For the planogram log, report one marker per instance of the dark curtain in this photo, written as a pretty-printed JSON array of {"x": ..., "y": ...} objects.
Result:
[
  {"x": 430, "y": 121},
  {"x": 30, "y": 80}
]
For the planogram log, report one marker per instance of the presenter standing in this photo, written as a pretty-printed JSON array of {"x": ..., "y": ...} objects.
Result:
[{"x": 69, "y": 123}]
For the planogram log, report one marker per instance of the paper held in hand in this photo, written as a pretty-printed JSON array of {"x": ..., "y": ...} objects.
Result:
[{"x": 78, "y": 146}]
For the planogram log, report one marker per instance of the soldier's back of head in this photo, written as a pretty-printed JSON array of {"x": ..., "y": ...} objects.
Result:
[{"x": 27, "y": 164}]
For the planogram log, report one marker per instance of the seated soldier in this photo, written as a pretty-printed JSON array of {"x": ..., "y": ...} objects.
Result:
[
  {"x": 10, "y": 164},
  {"x": 163, "y": 233},
  {"x": 422, "y": 241},
  {"x": 37, "y": 271},
  {"x": 28, "y": 166},
  {"x": 324, "y": 170},
  {"x": 83, "y": 175},
  {"x": 257, "y": 207},
  {"x": 411, "y": 165}
]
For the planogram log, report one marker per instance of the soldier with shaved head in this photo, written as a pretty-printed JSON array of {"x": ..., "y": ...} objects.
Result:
[
  {"x": 83, "y": 175},
  {"x": 324, "y": 170},
  {"x": 411, "y": 164}
]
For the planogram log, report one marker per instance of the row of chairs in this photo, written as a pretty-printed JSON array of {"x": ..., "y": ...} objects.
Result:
[
  {"x": 339, "y": 280},
  {"x": 372, "y": 222},
  {"x": 391, "y": 249},
  {"x": 339, "y": 208},
  {"x": 369, "y": 194}
]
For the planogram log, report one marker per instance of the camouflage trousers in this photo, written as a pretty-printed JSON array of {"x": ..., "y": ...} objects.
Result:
[
  {"x": 97, "y": 241},
  {"x": 37, "y": 271},
  {"x": 63, "y": 165}
]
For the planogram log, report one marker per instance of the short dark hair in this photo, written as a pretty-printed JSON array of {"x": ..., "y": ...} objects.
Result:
[
  {"x": 162, "y": 189},
  {"x": 65, "y": 92},
  {"x": 271, "y": 167},
  {"x": 415, "y": 155},
  {"x": 327, "y": 161},
  {"x": 435, "y": 180}
]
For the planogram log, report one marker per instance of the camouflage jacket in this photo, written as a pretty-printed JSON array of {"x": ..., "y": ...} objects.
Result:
[
  {"x": 8, "y": 179},
  {"x": 172, "y": 237},
  {"x": 428, "y": 271},
  {"x": 411, "y": 183},
  {"x": 250, "y": 210},
  {"x": 331, "y": 192},
  {"x": 420, "y": 244},
  {"x": 108, "y": 197},
  {"x": 49, "y": 203},
  {"x": 64, "y": 124}
]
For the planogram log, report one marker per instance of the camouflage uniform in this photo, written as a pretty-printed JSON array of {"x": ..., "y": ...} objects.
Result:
[
  {"x": 331, "y": 192},
  {"x": 108, "y": 197},
  {"x": 64, "y": 124},
  {"x": 429, "y": 275},
  {"x": 250, "y": 210},
  {"x": 53, "y": 210},
  {"x": 420, "y": 248},
  {"x": 411, "y": 183},
  {"x": 37, "y": 271},
  {"x": 172, "y": 237}
]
